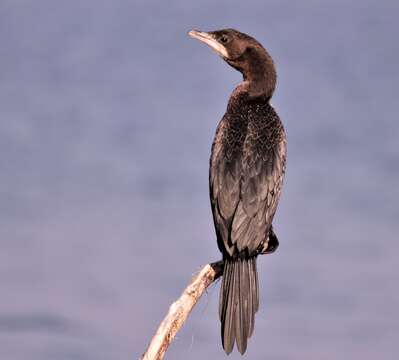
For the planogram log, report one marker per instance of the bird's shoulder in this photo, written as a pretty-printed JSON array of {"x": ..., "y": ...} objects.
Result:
[
  {"x": 254, "y": 130},
  {"x": 265, "y": 134}
]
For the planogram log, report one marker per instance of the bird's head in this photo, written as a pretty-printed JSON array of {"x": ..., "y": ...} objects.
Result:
[{"x": 245, "y": 54}]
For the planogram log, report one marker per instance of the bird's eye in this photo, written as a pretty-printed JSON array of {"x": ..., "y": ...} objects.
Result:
[{"x": 223, "y": 39}]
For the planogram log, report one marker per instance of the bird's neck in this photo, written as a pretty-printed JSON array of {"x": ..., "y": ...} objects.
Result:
[{"x": 259, "y": 76}]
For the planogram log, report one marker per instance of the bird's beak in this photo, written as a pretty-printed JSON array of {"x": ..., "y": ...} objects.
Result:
[{"x": 210, "y": 40}]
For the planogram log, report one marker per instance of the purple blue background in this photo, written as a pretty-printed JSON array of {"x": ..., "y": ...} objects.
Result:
[{"x": 107, "y": 114}]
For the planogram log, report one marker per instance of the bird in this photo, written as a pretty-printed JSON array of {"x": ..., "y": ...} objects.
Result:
[{"x": 246, "y": 172}]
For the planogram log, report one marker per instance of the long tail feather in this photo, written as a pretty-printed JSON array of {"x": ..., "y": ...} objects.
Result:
[{"x": 238, "y": 302}]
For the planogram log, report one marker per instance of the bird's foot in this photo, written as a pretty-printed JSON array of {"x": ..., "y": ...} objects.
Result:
[{"x": 270, "y": 245}]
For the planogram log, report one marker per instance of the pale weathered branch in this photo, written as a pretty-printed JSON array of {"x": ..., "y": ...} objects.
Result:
[{"x": 180, "y": 309}]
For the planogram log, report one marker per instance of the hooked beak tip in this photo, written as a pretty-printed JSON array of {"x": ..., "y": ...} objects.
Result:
[{"x": 194, "y": 34}]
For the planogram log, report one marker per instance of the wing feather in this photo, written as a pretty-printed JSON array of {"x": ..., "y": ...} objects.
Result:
[{"x": 246, "y": 173}]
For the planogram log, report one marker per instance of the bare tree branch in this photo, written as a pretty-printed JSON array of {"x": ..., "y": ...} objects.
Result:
[{"x": 180, "y": 309}]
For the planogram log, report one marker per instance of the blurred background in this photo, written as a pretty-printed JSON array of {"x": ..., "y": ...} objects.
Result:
[{"x": 107, "y": 114}]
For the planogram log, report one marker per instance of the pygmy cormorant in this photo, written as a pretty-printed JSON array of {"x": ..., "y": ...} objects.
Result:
[{"x": 247, "y": 167}]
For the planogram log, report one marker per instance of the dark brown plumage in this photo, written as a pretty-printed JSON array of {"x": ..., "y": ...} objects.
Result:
[{"x": 247, "y": 167}]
